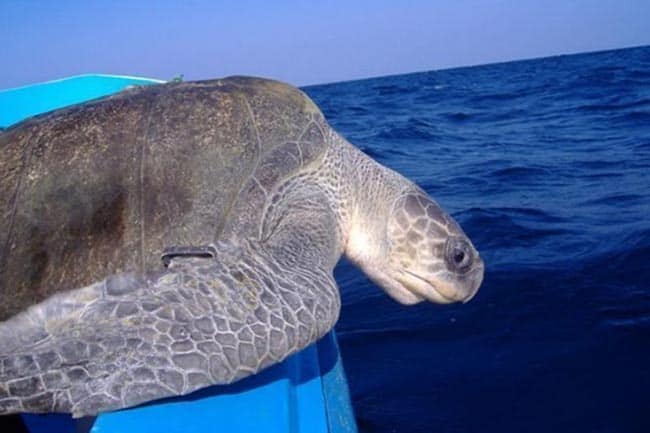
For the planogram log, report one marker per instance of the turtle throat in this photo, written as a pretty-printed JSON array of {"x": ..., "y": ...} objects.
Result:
[{"x": 375, "y": 189}]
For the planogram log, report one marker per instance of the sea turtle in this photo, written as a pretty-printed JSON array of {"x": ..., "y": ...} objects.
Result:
[{"x": 181, "y": 235}]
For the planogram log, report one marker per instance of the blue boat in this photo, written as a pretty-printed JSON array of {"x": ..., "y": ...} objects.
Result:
[{"x": 307, "y": 393}]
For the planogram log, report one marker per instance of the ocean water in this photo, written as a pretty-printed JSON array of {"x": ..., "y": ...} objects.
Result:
[{"x": 546, "y": 165}]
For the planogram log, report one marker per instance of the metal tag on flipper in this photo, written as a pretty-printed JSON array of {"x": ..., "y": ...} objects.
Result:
[{"x": 206, "y": 251}]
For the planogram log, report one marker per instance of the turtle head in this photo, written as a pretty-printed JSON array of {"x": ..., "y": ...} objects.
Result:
[{"x": 418, "y": 252}]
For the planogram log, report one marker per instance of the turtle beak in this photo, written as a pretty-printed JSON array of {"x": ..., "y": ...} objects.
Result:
[
  {"x": 474, "y": 279},
  {"x": 446, "y": 287}
]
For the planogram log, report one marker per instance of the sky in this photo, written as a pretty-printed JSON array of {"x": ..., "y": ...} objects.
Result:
[{"x": 301, "y": 42}]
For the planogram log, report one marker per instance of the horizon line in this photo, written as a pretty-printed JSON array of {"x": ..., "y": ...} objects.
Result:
[{"x": 474, "y": 65}]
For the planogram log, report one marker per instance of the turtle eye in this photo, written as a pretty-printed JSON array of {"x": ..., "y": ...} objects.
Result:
[{"x": 458, "y": 254}]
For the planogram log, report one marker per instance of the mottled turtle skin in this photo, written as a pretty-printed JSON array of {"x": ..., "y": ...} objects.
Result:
[{"x": 250, "y": 198}]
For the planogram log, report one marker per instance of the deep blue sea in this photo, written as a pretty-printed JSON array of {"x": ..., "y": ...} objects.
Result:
[{"x": 546, "y": 165}]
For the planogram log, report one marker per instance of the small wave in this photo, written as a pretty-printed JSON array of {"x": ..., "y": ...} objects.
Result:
[
  {"x": 413, "y": 129},
  {"x": 463, "y": 181},
  {"x": 614, "y": 106},
  {"x": 458, "y": 116},
  {"x": 402, "y": 133},
  {"x": 357, "y": 109},
  {"x": 516, "y": 173},
  {"x": 642, "y": 145},
  {"x": 625, "y": 317},
  {"x": 500, "y": 97},
  {"x": 530, "y": 212},
  {"x": 427, "y": 99},
  {"x": 596, "y": 164},
  {"x": 625, "y": 262},
  {"x": 636, "y": 116},
  {"x": 639, "y": 74},
  {"x": 510, "y": 227},
  {"x": 389, "y": 89},
  {"x": 603, "y": 175},
  {"x": 599, "y": 76},
  {"x": 618, "y": 199}
]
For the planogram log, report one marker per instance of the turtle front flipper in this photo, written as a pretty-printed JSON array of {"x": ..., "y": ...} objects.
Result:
[{"x": 127, "y": 340}]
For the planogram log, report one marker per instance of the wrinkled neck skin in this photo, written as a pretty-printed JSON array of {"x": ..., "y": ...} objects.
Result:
[
  {"x": 372, "y": 190},
  {"x": 370, "y": 194},
  {"x": 338, "y": 206}
]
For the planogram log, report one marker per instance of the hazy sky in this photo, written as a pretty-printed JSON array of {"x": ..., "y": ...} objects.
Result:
[{"x": 300, "y": 42}]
